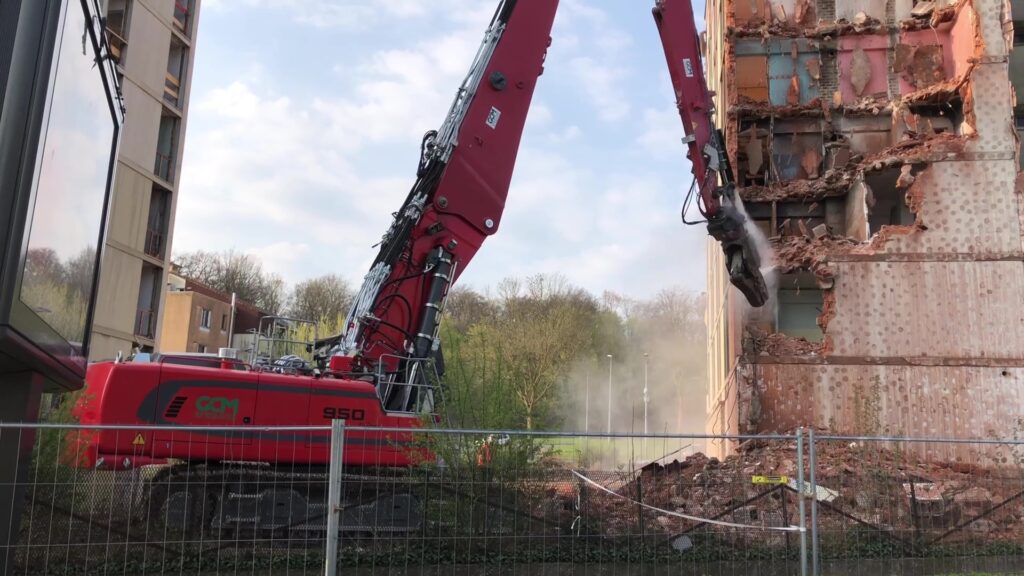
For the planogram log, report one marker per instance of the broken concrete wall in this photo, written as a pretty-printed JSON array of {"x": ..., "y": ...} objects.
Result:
[
  {"x": 966, "y": 310},
  {"x": 922, "y": 401}
]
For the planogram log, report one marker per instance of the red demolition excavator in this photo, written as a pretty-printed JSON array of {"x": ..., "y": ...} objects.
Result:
[{"x": 383, "y": 372}]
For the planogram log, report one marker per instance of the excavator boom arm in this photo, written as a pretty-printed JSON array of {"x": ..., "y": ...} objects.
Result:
[
  {"x": 463, "y": 179},
  {"x": 719, "y": 201}
]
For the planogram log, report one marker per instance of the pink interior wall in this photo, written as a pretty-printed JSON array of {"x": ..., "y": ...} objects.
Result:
[
  {"x": 929, "y": 38},
  {"x": 875, "y": 47},
  {"x": 961, "y": 43}
]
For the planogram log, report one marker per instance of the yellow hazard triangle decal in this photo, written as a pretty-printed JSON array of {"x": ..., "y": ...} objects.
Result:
[{"x": 139, "y": 440}]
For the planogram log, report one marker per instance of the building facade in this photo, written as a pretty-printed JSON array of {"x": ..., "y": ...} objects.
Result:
[
  {"x": 197, "y": 318},
  {"x": 153, "y": 42},
  {"x": 875, "y": 148}
]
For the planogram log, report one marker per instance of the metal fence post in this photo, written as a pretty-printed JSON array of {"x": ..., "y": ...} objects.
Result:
[
  {"x": 801, "y": 500},
  {"x": 815, "y": 551},
  {"x": 334, "y": 497}
]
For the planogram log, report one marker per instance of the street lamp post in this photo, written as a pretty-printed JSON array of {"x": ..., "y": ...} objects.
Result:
[
  {"x": 647, "y": 398},
  {"x": 610, "y": 393},
  {"x": 586, "y": 407}
]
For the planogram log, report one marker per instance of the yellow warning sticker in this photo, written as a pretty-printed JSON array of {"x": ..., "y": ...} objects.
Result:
[
  {"x": 139, "y": 440},
  {"x": 769, "y": 479}
]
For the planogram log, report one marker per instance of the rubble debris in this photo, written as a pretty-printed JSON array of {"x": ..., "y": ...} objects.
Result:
[
  {"x": 939, "y": 93},
  {"x": 761, "y": 343},
  {"x": 873, "y": 105},
  {"x": 867, "y": 482},
  {"x": 753, "y": 109},
  {"x": 923, "y": 9},
  {"x": 915, "y": 149},
  {"x": 906, "y": 177},
  {"x": 925, "y": 16},
  {"x": 820, "y": 231},
  {"x": 803, "y": 228},
  {"x": 833, "y": 183},
  {"x": 805, "y": 25},
  {"x": 800, "y": 252}
]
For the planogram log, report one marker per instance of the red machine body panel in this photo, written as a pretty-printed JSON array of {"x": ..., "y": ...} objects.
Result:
[{"x": 166, "y": 394}]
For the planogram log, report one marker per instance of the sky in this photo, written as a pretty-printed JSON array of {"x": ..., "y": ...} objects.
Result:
[{"x": 306, "y": 118}]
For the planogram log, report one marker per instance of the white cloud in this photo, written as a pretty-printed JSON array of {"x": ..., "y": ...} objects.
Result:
[
  {"x": 603, "y": 84},
  {"x": 662, "y": 133}
]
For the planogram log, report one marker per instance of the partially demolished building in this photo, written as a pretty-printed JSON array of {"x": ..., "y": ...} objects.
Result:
[{"x": 875, "y": 146}]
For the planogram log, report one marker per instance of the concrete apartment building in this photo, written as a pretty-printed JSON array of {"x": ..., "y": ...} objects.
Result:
[
  {"x": 875, "y": 146},
  {"x": 198, "y": 318},
  {"x": 153, "y": 41}
]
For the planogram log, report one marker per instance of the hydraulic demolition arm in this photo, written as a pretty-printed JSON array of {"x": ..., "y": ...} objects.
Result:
[{"x": 713, "y": 178}]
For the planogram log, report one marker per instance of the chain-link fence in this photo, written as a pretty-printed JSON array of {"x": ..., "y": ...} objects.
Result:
[
  {"x": 511, "y": 501},
  {"x": 226, "y": 501},
  {"x": 927, "y": 506},
  {"x": 310, "y": 500}
]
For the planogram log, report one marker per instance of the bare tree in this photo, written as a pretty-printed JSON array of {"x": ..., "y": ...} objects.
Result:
[
  {"x": 323, "y": 300},
  {"x": 233, "y": 272},
  {"x": 467, "y": 307}
]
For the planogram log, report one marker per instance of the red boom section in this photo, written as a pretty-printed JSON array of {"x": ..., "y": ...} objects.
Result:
[
  {"x": 464, "y": 188},
  {"x": 679, "y": 37}
]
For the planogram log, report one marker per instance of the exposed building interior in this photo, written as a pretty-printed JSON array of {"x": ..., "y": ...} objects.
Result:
[{"x": 872, "y": 150}]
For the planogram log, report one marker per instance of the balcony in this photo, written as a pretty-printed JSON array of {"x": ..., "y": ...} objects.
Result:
[
  {"x": 164, "y": 167},
  {"x": 117, "y": 44},
  {"x": 118, "y": 20},
  {"x": 182, "y": 17},
  {"x": 172, "y": 90},
  {"x": 154, "y": 243},
  {"x": 145, "y": 323}
]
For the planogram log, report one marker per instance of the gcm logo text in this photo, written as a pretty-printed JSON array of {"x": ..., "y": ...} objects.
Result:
[{"x": 216, "y": 407}]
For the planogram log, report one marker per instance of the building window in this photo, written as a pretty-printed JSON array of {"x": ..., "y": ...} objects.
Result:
[
  {"x": 798, "y": 311},
  {"x": 156, "y": 225},
  {"x": 166, "y": 147},
  {"x": 201, "y": 348},
  {"x": 174, "y": 79},
  {"x": 205, "y": 317},
  {"x": 119, "y": 16},
  {"x": 224, "y": 323}
]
